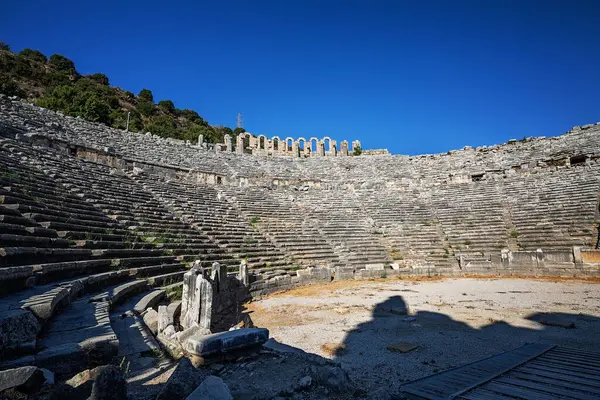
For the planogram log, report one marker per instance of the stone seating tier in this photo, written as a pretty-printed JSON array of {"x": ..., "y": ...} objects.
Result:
[{"x": 80, "y": 239}]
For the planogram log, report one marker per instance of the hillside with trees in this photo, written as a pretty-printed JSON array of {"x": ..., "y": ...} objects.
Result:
[{"x": 54, "y": 83}]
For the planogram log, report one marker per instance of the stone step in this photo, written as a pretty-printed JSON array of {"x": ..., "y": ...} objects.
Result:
[
  {"x": 77, "y": 338},
  {"x": 10, "y": 240}
]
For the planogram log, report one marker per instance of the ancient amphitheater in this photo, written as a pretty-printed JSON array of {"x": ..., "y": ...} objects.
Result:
[{"x": 127, "y": 248}]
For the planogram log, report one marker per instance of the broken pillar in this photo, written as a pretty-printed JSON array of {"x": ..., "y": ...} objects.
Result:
[
  {"x": 243, "y": 275},
  {"x": 227, "y": 141},
  {"x": 321, "y": 148},
  {"x": 239, "y": 144},
  {"x": 196, "y": 300},
  {"x": 344, "y": 148},
  {"x": 219, "y": 275},
  {"x": 295, "y": 149},
  {"x": 200, "y": 140}
]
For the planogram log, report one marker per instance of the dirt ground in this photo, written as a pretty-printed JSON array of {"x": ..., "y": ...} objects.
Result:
[{"x": 452, "y": 321}]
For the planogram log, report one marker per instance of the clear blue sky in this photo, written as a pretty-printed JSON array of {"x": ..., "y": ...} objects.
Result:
[{"x": 412, "y": 76}]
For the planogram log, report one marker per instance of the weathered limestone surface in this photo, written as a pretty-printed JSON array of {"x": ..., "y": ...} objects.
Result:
[
  {"x": 92, "y": 217},
  {"x": 226, "y": 342}
]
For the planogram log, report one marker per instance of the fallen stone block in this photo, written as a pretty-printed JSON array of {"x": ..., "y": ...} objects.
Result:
[
  {"x": 212, "y": 388},
  {"x": 27, "y": 380},
  {"x": 18, "y": 331},
  {"x": 150, "y": 318},
  {"x": 225, "y": 342}
]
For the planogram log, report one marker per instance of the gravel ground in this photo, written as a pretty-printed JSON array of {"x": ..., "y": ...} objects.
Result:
[{"x": 454, "y": 321}]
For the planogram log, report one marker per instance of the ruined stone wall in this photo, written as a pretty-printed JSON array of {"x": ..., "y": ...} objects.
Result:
[{"x": 580, "y": 146}]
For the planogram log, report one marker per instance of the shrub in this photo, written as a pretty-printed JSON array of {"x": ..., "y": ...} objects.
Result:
[
  {"x": 238, "y": 130},
  {"x": 145, "y": 108},
  {"x": 96, "y": 109},
  {"x": 35, "y": 55},
  {"x": 193, "y": 116},
  {"x": 99, "y": 78},
  {"x": 146, "y": 95},
  {"x": 4, "y": 46},
  {"x": 62, "y": 63},
  {"x": 357, "y": 151},
  {"x": 162, "y": 126},
  {"x": 514, "y": 233},
  {"x": 167, "y": 105}
]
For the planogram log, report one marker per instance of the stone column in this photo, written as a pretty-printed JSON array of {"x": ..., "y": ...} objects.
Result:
[
  {"x": 227, "y": 141},
  {"x": 333, "y": 148},
  {"x": 239, "y": 144},
  {"x": 321, "y": 148},
  {"x": 243, "y": 275},
  {"x": 344, "y": 148},
  {"x": 295, "y": 149},
  {"x": 200, "y": 140}
]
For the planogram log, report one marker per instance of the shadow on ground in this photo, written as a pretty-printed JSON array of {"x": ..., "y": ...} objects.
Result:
[{"x": 396, "y": 346}]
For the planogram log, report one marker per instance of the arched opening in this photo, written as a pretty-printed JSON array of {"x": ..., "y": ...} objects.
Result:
[
  {"x": 275, "y": 142},
  {"x": 327, "y": 144},
  {"x": 301, "y": 143},
  {"x": 289, "y": 143},
  {"x": 262, "y": 142},
  {"x": 313, "y": 144}
]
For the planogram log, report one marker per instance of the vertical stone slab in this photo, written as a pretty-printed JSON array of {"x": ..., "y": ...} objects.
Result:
[
  {"x": 239, "y": 144},
  {"x": 205, "y": 301},
  {"x": 577, "y": 258},
  {"x": 333, "y": 148},
  {"x": 227, "y": 141},
  {"x": 187, "y": 297},
  {"x": 321, "y": 149},
  {"x": 295, "y": 149},
  {"x": 344, "y": 148},
  {"x": 163, "y": 318},
  {"x": 200, "y": 140},
  {"x": 243, "y": 275},
  {"x": 219, "y": 275}
]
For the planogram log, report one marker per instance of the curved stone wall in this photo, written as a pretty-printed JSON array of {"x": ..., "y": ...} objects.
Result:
[{"x": 91, "y": 217}]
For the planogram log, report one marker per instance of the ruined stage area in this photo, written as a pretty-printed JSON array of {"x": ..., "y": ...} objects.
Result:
[{"x": 453, "y": 321}]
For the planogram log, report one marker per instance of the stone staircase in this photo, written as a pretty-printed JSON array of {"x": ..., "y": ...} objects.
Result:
[{"x": 202, "y": 207}]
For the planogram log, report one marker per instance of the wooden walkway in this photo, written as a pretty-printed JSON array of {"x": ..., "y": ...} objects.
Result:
[{"x": 534, "y": 371}]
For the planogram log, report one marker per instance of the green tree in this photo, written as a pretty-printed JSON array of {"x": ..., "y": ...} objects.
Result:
[
  {"x": 238, "y": 130},
  {"x": 193, "y": 116},
  {"x": 62, "y": 63},
  {"x": 4, "y": 46},
  {"x": 35, "y": 55},
  {"x": 99, "y": 78},
  {"x": 145, "y": 108},
  {"x": 146, "y": 95},
  {"x": 357, "y": 151},
  {"x": 162, "y": 126},
  {"x": 167, "y": 105},
  {"x": 96, "y": 109}
]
